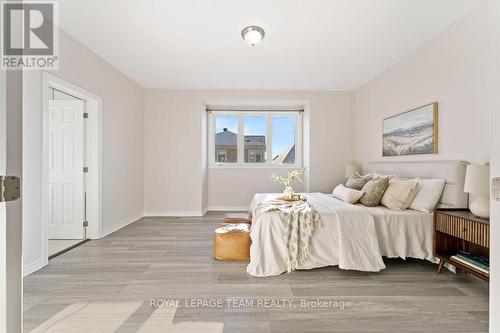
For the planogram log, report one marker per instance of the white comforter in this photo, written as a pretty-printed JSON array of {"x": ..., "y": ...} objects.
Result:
[
  {"x": 346, "y": 236},
  {"x": 403, "y": 234}
]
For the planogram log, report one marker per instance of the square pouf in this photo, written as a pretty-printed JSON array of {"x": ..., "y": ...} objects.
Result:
[{"x": 232, "y": 242}]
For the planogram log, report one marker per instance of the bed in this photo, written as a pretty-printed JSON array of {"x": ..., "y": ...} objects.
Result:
[{"x": 355, "y": 237}]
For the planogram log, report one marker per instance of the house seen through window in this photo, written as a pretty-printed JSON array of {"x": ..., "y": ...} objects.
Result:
[{"x": 259, "y": 138}]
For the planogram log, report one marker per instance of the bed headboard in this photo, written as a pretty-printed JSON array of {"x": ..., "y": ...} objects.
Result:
[{"x": 453, "y": 172}]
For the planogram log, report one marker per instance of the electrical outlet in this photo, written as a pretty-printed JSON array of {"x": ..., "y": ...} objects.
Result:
[{"x": 495, "y": 188}]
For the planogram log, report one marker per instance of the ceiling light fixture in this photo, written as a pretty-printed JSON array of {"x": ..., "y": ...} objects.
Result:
[{"x": 253, "y": 34}]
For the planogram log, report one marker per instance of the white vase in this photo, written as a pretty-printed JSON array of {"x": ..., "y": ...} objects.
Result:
[{"x": 288, "y": 192}]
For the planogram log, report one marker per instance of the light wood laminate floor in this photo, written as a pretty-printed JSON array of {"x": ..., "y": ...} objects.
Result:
[{"x": 107, "y": 285}]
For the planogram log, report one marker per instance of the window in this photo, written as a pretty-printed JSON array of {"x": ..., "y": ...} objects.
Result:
[
  {"x": 283, "y": 140},
  {"x": 221, "y": 156},
  {"x": 255, "y": 156},
  {"x": 226, "y": 129},
  {"x": 255, "y": 138}
]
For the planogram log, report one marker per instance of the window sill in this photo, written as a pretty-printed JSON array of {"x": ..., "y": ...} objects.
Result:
[{"x": 252, "y": 166}]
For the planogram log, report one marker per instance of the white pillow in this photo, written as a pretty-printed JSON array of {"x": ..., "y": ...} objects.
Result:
[
  {"x": 428, "y": 194},
  {"x": 400, "y": 193},
  {"x": 347, "y": 194}
]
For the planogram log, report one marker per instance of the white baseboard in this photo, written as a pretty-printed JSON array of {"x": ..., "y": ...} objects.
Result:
[
  {"x": 228, "y": 209},
  {"x": 174, "y": 214},
  {"x": 33, "y": 267},
  {"x": 121, "y": 224}
]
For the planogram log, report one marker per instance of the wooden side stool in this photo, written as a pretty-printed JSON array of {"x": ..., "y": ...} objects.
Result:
[
  {"x": 232, "y": 242},
  {"x": 237, "y": 218}
]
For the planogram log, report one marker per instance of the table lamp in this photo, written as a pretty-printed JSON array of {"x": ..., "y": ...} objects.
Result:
[{"x": 477, "y": 181}]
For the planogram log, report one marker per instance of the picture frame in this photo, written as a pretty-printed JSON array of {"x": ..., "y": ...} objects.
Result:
[{"x": 412, "y": 132}]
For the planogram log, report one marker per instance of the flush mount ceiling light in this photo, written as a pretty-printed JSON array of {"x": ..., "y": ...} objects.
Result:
[{"x": 253, "y": 34}]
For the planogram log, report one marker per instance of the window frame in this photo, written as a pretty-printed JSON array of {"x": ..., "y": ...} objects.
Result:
[{"x": 240, "y": 162}]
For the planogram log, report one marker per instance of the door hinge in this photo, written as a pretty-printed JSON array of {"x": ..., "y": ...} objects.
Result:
[
  {"x": 85, "y": 115},
  {"x": 495, "y": 188},
  {"x": 85, "y": 224},
  {"x": 10, "y": 188},
  {"x": 85, "y": 169}
]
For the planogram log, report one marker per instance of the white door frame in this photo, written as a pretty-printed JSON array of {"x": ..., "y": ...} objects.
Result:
[
  {"x": 93, "y": 146},
  {"x": 11, "y": 282},
  {"x": 3, "y": 217}
]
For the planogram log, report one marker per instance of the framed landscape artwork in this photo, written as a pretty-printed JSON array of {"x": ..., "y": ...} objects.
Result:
[{"x": 412, "y": 132}]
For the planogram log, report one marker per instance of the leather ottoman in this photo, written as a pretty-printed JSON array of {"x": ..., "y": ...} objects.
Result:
[{"x": 232, "y": 242}]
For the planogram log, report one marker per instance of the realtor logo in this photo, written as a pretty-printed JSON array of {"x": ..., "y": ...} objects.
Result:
[{"x": 29, "y": 35}]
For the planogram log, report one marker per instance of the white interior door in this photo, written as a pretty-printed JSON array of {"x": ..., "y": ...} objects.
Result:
[{"x": 66, "y": 151}]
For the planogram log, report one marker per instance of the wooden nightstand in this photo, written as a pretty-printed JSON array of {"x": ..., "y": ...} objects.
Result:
[{"x": 460, "y": 230}]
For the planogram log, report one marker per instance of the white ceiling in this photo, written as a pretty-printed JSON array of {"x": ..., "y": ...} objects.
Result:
[{"x": 309, "y": 45}]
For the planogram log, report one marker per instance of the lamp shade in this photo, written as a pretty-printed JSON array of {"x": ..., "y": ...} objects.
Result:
[
  {"x": 477, "y": 179},
  {"x": 351, "y": 169}
]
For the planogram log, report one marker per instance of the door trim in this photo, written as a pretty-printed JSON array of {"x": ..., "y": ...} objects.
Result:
[
  {"x": 93, "y": 146},
  {"x": 3, "y": 209},
  {"x": 11, "y": 319}
]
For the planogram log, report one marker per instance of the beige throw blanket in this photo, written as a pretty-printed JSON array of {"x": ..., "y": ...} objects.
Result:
[{"x": 298, "y": 220}]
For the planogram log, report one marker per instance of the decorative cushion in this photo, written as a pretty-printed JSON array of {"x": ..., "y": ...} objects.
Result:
[
  {"x": 357, "y": 181},
  {"x": 400, "y": 193},
  {"x": 429, "y": 192},
  {"x": 374, "y": 191},
  {"x": 347, "y": 194}
]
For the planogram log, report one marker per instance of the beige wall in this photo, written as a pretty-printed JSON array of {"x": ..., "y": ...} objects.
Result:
[
  {"x": 122, "y": 128},
  {"x": 176, "y": 179},
  {"x": 451, "y": 69},
  {"x": 234, "y": 188},
  {"x": 122, "y": 142}
]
